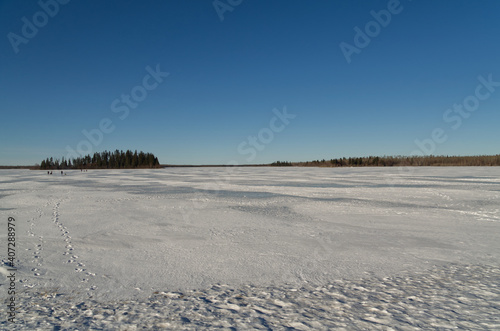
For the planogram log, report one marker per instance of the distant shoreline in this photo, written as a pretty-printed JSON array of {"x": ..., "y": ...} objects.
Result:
[
  {"x": 366, "y": 161},
  {"x": 34, "y": 167},
  {"x": 239, "y": 166}
]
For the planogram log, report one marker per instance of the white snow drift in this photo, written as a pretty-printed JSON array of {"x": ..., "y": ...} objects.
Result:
[{"x": 125, "y": 234}]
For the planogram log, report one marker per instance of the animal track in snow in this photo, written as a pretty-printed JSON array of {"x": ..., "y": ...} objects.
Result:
[
  {"x": 65, "y": 234},
  {"x": 37, "y": 258}
]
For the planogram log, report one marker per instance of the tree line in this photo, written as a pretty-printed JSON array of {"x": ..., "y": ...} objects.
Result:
[
  {"x": 104, "y": 160},
  {"x": 282, "y": 164},
  {"x": 400, "y": 161}
]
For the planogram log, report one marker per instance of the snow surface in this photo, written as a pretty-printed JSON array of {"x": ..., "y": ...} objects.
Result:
[{"x": 109, "y": 235}]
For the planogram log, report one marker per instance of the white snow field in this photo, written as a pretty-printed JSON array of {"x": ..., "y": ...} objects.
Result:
[{"x": 254, "y": 248}]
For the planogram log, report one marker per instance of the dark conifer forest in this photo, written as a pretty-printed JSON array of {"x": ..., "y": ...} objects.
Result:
[
  {"x": 399, "y": 161},
  {"x": 104, "y": 160}
]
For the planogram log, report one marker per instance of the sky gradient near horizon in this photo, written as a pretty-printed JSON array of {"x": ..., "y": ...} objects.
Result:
[{"x": 414, "y": 82}]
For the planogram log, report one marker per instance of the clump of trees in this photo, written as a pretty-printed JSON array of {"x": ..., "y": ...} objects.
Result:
[
  {"x": 400, "y": 161},
  {"x": 104, "y": 160},
  {"x": 430, "y": 160},
  {"x": 282, "y": 164}
]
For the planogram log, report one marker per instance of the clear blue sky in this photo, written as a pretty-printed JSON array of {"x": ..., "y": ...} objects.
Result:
[{"x": 226, "y": 77}]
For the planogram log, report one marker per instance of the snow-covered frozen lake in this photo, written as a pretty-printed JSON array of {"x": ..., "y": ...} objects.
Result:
[{"x": 125, "y": 234}]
